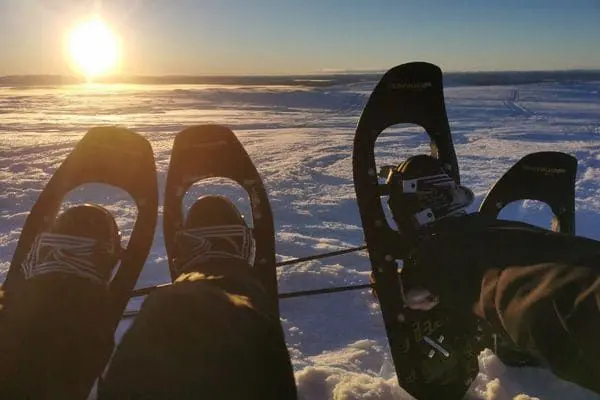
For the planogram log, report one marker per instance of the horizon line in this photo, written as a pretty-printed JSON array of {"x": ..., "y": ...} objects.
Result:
[{"x": 289, "y": 74}]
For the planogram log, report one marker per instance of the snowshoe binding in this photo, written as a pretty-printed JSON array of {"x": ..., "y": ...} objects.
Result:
[
  {"x": 421, "y": 192},
  {"x": 214, "y": 230}
]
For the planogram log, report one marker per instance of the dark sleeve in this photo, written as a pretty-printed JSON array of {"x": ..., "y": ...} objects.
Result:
[
  {"x": 541, "y": 288},
  {"x": 552, "y": 310}
]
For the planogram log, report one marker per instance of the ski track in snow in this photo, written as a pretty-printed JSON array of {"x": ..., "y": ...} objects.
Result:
[{"x": 301, "y": 141}]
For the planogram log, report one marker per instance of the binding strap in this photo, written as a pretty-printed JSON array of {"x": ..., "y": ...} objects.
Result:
[
  {"x": 200, "y": 249},
  {"x": 76, "y": 255}
]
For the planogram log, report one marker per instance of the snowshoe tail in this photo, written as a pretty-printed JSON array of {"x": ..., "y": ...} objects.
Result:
[{"x": 116, "y": 157}]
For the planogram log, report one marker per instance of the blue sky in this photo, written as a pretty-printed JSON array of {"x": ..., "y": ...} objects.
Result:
[{"x": 307, "y": 36}]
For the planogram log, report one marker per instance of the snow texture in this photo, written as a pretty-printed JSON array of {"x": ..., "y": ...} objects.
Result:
[{"x": 300, "y": 138}]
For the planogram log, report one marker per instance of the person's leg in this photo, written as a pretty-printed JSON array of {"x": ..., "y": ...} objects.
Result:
[
  {"x": 211, "y": 334},
  {"x": 54, "y": 335}
]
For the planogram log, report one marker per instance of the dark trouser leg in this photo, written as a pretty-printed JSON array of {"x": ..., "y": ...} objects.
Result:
[
  {"x": 207, "y": 336},
  {"x": 54, "y": 340}
]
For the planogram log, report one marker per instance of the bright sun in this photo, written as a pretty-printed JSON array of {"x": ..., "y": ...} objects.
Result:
[{"x": 93, "y": 48}]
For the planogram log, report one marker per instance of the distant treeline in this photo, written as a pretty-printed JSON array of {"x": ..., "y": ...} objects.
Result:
[{"x": 321, "y": 80}]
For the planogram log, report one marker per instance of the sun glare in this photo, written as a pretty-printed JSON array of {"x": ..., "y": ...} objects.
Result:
[{"x": 93, "y": 48}]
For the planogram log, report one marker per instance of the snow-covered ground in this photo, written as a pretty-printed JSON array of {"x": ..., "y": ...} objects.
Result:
[{"x": 301, "y": 141}]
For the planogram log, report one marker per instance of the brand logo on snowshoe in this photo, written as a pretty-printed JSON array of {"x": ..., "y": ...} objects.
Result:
[
  {"x": 410, "y": 85},
  {"x": 545, "y": 170}
]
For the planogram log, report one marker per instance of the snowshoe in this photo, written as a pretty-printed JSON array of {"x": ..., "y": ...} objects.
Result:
[
  {"x": 548, "y": 177},
  {"x": 213, "y": 151},
  {"x": 434, "y": 354},
  {"x": 113, "y": 156}
]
